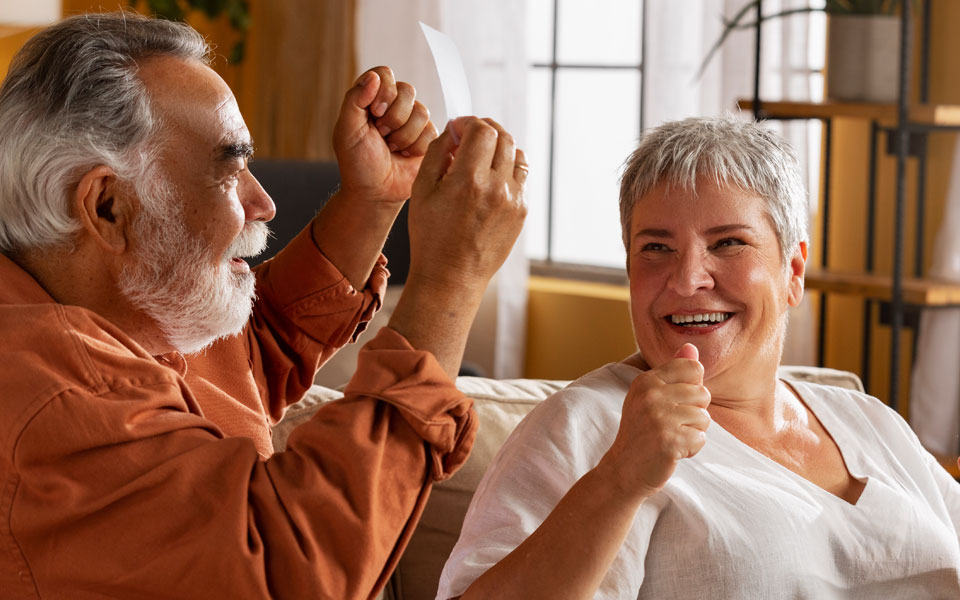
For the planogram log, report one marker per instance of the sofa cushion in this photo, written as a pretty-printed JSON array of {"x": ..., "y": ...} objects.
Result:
[
  {"x": 822, "y": 375},
  {"x": 500, "y": 406}
]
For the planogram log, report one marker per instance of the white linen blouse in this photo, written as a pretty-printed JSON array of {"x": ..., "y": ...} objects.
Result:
[{"x": 731, "y": 522}]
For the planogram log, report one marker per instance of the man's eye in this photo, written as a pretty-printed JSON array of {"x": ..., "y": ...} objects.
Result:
[{"x": 232, "y": 180}]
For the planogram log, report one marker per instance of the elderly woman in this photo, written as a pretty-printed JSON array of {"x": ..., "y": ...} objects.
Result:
[{"x": 690, "y": 470}]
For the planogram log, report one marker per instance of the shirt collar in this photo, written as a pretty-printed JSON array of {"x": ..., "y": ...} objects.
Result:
[
  {"x": 19, "y": 287},
  {"x": 175, "y": 361}
]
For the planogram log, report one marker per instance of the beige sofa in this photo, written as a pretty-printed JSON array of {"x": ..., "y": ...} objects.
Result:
[{"x": 500, "y": 405}]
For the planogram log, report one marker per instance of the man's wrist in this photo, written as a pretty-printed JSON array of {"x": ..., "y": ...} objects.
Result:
[{"x": 365, "y": 200}]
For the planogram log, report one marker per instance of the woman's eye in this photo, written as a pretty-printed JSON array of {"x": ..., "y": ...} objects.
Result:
[
  {"x": 729, "y": 242},
  {"x": 654, "y": 247}
]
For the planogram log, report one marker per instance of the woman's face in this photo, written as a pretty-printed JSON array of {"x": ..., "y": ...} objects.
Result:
[{"x": 706, "y": 268}]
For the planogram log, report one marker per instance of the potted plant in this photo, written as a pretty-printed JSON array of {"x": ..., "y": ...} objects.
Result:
[
  {"x": 863, "y": 46},
  {"x": 237, "y": 12}
]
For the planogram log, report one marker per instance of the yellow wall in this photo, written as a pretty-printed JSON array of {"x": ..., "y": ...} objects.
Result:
[
  {"x": 11, "y": 39},
  {"x": 574, "y": 327}
]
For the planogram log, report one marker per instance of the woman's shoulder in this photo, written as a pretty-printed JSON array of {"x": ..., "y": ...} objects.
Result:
[
  {"x": 579, "y": 420},
  {"x": 610, "y": 379},
  {"x": 853, "y": 407},
  {"x": 839, "y": 396},
  {"x": 599, "y": 392}
]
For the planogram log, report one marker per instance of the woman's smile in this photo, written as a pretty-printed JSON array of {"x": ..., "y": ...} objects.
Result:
[
  {"x": 698, "y": 322},
  {"x": 706, "y": 268}
]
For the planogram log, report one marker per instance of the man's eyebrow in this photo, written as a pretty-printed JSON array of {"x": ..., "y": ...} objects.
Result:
[{"x": 235, "y": 150}]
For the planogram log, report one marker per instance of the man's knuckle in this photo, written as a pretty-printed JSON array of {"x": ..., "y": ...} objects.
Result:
[
  {"x": 484, "y": 130},
  {"x": 421, "y": 111},
  {"x": 500, "y": 195},
  {"x": 521, "y": 208}
]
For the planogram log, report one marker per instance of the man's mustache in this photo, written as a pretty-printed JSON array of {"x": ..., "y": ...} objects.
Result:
[{"x": 251, "y": 241}]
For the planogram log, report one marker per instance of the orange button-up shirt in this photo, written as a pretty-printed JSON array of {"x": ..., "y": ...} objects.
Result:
[{"x": 124, "y": 475}]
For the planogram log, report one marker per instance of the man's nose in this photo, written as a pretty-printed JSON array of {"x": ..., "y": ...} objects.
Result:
[
  {"x": 691, "y": 274},
  {"x": 257, "y": 204}
]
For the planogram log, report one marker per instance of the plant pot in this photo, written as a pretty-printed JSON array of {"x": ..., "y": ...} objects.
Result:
[{"x": 863, "y": 58}]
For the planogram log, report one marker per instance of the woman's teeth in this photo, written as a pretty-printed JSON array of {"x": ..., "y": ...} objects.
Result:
[{"x": 700, "y": 320}]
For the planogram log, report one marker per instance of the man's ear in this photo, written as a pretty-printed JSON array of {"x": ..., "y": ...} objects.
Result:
[
  {"x": 104, "y": 209},
  {"x": 798, "y": 267}
]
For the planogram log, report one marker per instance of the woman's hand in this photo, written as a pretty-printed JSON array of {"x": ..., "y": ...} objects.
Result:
[{"x": 664, "y": 420}]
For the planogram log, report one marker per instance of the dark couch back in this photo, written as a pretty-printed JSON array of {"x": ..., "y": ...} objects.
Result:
[{"x": 299, "y": 188}]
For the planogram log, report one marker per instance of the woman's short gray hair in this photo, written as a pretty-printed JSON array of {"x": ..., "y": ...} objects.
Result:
[
  {"x": 732, "y": 152},
  {"x": 73, "y": 100}
]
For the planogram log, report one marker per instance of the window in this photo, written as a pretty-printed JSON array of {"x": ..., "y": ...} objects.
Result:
[
  {"x": 584, "y": 88},
  {"x": 588, "y": 63}
]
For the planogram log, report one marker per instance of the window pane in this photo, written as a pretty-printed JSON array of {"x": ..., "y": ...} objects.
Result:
[
  {"x": 597, "y": 127},
  {"x": 537, "y": 148},
  {"x": 599, "y": 32},
  {"x": 539, "y": 31}
]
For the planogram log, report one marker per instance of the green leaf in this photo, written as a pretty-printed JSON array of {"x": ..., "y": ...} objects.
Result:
[
  {"x": 861, "y": 7},
  {"x": 211, "y": 8},
  {"x": 238, "y": 52},
  {"x": 238, "y": 11},
  {"x": 727, "y": 30},
  {"x": 792, "y": 11},
  {"x": 167, "y": 9}
]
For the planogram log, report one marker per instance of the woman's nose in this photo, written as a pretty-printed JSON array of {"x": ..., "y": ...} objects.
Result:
[{"x": 691, "y": 274}]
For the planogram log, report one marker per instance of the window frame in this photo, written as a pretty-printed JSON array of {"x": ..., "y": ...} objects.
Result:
[{"x": 548, "y": 266}]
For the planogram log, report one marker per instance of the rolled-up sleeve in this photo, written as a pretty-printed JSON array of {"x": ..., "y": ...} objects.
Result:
[{"x": 412, "y": 381}]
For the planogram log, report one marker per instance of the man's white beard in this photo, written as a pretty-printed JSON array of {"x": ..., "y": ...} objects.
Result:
[{"x": 173, "y": 282}]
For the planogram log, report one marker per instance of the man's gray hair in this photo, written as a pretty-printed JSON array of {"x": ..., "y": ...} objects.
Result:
[
  {"x": 73, "y": 100},
  {"x": 730, "y": 151}
]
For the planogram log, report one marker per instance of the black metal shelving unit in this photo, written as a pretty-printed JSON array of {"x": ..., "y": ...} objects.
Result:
[{"x": 907, "y": 138}]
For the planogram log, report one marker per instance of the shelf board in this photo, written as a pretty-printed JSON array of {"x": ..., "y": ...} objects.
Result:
[
  {"x": 919, "y": 292},
  {"x": 927, "y": 114}
]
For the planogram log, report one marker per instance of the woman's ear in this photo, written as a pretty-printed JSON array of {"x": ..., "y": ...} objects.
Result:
[
  {"x": 104, "y": 208},
  {"x": 798, "y": 267}
]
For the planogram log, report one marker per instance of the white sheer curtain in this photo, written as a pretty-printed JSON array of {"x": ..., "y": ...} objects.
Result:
[
  {"x": 679, "y": 35},
  {"x": 490, "y": 37},
  {"x": 35, "y": 12},
  {"x": 935, "y": 381}
]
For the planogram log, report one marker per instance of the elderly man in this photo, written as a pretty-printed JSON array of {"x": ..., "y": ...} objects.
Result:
[{"x": 126, "y": 206}]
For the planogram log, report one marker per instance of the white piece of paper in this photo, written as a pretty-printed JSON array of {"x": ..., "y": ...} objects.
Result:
[{"x": 453, "y": 77}]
